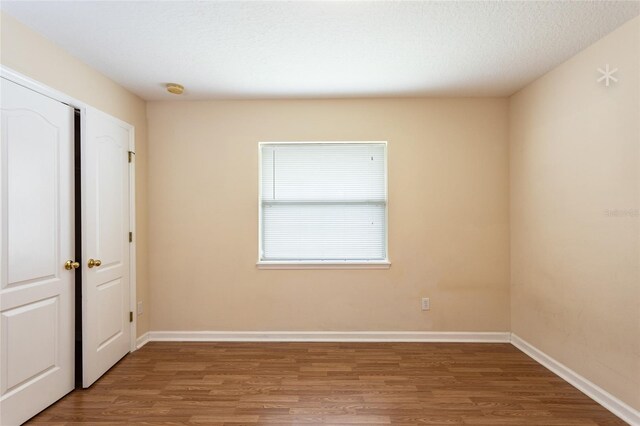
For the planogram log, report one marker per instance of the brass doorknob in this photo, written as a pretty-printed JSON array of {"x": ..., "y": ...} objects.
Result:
[
  {"x": 94, "y": 262},
  {"x": 70, "y": 264}
]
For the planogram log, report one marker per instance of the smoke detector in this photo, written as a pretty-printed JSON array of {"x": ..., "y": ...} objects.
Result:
[{"x": 174, "y": 88}]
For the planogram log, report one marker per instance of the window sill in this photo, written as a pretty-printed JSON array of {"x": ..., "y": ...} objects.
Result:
[{"x": 378, "y": 264}]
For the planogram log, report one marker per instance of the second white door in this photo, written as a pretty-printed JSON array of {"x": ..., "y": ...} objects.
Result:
[{"x": 105, "y": 228}]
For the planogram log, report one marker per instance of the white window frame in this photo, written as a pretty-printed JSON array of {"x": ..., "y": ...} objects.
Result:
[{"x": 323, "y": 264}]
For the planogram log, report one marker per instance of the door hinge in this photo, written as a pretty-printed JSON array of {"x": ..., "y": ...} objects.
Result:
[
  {"x": 131, "y": 154},
  {"x": 130, "y": 237},
  {"x": 130, "y": 316}
]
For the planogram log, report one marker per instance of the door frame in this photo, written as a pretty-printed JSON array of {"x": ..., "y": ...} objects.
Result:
[{"x": 29, "y": 83}]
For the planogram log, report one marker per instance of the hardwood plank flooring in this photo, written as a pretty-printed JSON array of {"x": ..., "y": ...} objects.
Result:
[{"x": 328, "y": 383}]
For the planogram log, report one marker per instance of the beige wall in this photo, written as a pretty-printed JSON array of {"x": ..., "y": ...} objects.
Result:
[
  {"x": 448, "y": 217},
  {"x": 30, "y": 54},
  {"x": 574, "y": 214}
]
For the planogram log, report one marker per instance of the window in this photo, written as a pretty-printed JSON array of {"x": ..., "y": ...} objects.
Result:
[{"x": 323, "y": 203}]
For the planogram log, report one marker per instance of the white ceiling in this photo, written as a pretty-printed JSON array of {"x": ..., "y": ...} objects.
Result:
[{"x": 323, "y": 49}]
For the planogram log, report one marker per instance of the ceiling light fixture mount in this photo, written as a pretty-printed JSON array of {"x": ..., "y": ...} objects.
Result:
[{"x": 175, "y": 88}]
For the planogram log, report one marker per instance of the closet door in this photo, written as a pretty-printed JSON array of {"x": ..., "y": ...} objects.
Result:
[
  {"x": 36, "y": 289},
  {"x": 105, "y": 213}
]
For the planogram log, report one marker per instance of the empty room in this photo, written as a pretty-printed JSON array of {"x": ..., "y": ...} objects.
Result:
[{"x": 320, "y": 212}]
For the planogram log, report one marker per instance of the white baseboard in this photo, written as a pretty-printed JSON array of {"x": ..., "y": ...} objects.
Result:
[
  {"x": 593, "y": 391},
  {"x": 142, "y": 340},
  {"x": 328, "y": 336}
]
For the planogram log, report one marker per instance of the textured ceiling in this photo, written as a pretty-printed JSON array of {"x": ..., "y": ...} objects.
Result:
[{"x": 323, "y": 49}]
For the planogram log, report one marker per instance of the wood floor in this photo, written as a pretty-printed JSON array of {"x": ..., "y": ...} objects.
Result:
[{"x": 328, "y": 383}]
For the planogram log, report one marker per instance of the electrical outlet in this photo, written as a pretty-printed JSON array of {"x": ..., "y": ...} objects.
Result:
[
  {"x": 140, "y": 309},
  {"x": 425, "y": 304}
]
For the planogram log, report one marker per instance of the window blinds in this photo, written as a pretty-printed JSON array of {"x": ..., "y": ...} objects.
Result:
[{"x": 323, "y": 202}]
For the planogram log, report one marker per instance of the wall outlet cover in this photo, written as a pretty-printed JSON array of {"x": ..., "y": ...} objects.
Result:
[{"x": 425, "y": 304}]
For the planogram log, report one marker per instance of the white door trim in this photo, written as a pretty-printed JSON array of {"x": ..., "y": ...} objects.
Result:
[
  {"x": 57, "y": 95},
  {"x": 133, "y": 300}
]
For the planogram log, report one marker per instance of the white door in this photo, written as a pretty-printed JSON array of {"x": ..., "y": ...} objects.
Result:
[
  {"x": 36, "y": 291},
  {"x": 105, "y": 216}
]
